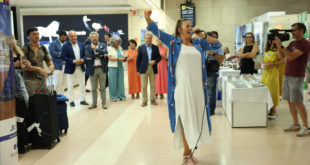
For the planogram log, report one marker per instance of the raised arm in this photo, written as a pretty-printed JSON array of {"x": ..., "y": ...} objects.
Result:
[{"x": 164, "y": 37}]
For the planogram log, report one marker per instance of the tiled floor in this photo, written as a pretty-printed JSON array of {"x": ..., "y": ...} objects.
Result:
[{"x": 127, "y": 134}]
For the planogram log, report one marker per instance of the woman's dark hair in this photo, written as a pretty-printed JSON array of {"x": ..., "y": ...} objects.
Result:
[
  {"x": 178, "y": 25},
  {"x": 132, "y": 41},
  {"x": 268, "y": 46}
]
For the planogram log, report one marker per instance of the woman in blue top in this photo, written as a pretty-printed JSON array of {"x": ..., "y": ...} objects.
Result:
[{"x": 187, "y": 88}]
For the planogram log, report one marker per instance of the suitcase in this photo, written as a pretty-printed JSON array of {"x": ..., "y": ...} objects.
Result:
[
  {"x": 62, "y": 114},
  {"x": 22, "y": 116},
  {"x": 44, "y": 129}
]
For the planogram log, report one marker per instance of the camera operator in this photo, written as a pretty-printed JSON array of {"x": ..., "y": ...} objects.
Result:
[
  {"x": 214, "y": 59},
  {"x": 297, "y": 54}
]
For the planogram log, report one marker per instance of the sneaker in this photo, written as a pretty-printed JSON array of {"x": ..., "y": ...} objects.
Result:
[
  {"x": 93, "y": 106},
  {"x": 292, "y": 128},
  {"x": 303, "y": 132},
  {"x": 104, "y": 106},
  {"x": 272, "y": 116},
  {"x": 83, "y": 103},
  {"x": 72, "y": 104}
]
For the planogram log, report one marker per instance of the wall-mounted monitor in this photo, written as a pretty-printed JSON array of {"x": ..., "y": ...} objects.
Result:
[{"x": 49, "y": 25}]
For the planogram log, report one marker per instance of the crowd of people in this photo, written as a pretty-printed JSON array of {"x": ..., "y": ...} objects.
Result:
[{"x": 168, "y": 68}]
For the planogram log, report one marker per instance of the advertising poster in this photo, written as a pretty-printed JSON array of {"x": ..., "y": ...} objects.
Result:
[
  {"x": 258, "y": 33},
  {"x": 49, "y": 25},
  {"x": 8, "y": 140}
]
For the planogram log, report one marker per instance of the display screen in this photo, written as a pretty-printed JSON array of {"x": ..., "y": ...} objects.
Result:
[
  {"x": 49, "y": 25},
  {"x": 188, "y": 12}
]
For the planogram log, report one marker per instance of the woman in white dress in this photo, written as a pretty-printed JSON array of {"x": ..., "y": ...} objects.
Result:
[{"x": 187, "y": 90}]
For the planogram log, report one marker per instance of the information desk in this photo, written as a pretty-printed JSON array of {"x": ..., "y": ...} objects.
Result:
[{"x": 247, "y": 106}]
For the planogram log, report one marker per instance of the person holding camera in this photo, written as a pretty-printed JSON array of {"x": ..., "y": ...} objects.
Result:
[
  {"x": 248, "y": 52},
  {"x": 213, "y": 60},
  {"x": 96, "y": 68},
  {"x": 271, "y": 74},
  {"x": 297, "y": 54}
]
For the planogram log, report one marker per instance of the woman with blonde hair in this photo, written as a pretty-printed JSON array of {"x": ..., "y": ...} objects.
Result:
[{"x": 19, "y": 65}]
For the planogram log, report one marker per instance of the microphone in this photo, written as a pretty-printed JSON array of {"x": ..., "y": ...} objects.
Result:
[{"x": 199, "y": 31}]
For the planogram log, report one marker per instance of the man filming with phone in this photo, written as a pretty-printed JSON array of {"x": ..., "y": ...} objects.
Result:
[{"x": 297, "y": 54}]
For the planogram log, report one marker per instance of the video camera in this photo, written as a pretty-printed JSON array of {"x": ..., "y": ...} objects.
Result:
[{"x": 284, "y": 35}]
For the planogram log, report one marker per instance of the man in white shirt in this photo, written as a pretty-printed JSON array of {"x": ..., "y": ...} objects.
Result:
[{"x": 74, "y": 55}]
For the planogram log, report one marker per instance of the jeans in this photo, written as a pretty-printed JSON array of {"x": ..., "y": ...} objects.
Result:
[
  {"x": 212, "y": 84},
  {"x": 20, "y": 88}
]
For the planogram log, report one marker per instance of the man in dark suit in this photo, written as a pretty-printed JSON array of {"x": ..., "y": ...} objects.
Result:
[
  {"x": 148, "y": 57},
  {"x": 96, "y": 68},
  {"x": 74, "y": 55},
  {"x": 55, "y": 49}
]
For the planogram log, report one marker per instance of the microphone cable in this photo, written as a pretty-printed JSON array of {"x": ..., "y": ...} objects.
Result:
[{"x": 196, "y": 146}]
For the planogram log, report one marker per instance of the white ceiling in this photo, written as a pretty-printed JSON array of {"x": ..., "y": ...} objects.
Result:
[{"x": 132, "y": 4}]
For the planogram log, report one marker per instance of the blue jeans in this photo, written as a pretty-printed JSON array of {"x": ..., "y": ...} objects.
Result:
[
  {"x": 211, "y": 84},
  {"x": 20, "y": 88}
]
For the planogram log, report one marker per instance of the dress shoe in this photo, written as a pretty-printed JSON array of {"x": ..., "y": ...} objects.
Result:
[
  {"x": 137, "y": 97},
  {"x": 143, "y": 104},
  {"x": 84, "y": 103},
  {"x": 132, "y": 96},
  {"x": 123, "y": 99},
  {"x": 154, "y": 102},
  {"x": 93, "y": 106},
  {"x": 72, "y": 104},
  {"x": 87, "y": 90},
  {"x": 161, "y": 96}
]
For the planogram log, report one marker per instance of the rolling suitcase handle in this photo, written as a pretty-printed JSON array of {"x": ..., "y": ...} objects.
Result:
[{"x": 50, "y": 82}]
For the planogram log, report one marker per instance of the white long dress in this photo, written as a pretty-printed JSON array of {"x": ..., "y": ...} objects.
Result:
[{"x": 189, "y": 98}]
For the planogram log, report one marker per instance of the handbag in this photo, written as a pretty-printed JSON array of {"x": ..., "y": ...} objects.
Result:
[{"x": 212, "y": 65}]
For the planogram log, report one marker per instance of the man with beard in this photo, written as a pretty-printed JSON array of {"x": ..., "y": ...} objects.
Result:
[
  {"x": 55, "y": 50},
  {"x": 96, "y": 68}
]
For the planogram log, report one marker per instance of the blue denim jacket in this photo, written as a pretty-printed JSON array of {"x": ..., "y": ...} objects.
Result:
[{"x": 174, "y": 44}]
